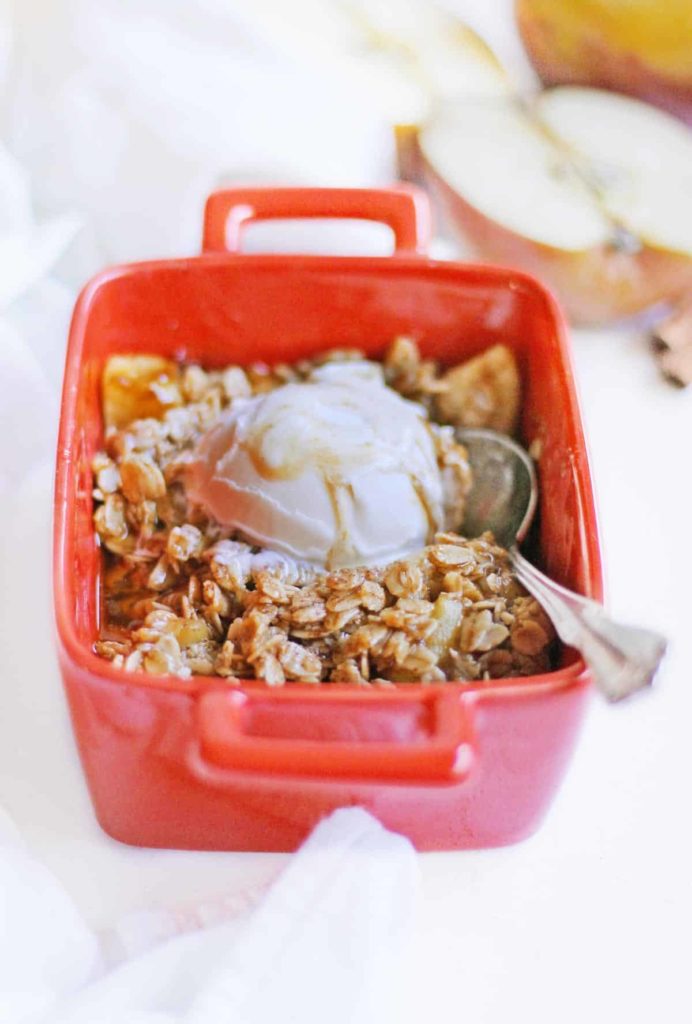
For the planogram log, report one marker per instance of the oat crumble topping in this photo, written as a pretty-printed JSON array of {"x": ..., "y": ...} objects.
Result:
[{"x": 183, "y": 596}]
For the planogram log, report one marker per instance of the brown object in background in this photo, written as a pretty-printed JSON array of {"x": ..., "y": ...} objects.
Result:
[
  {"x": 407, "y": 153},
  {"x": 672, "y": 339}
]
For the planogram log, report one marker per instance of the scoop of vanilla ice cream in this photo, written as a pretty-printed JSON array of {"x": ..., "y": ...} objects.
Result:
[{"x": 337, "y": 471}]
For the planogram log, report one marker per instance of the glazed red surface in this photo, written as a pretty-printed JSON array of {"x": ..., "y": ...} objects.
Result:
[{"x": 208, "y": 764}]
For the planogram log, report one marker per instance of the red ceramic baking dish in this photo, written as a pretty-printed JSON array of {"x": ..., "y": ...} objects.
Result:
[{"x": 206, "y": 763}]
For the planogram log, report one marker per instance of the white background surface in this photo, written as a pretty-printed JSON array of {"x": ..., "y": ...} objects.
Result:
[{"x": 589, "y": 919}]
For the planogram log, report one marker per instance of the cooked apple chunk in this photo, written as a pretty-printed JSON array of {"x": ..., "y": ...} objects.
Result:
[
  {"x": 138, "y": 387},
  {"x": 483, "y": 392},
  {"x": 586, "y": 189},
  {"x": 447, "y": 613}
]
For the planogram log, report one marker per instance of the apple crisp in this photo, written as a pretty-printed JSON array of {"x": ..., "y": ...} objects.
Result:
[{"x": 185, "y": 595}]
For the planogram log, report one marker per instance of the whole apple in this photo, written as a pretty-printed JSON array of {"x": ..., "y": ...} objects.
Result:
[{"x": 639, "y": 47}]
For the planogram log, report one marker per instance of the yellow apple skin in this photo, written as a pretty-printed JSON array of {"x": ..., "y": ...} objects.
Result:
[
  {"x": 639, "y": 47},
  {"x": 599, "y": 285}
]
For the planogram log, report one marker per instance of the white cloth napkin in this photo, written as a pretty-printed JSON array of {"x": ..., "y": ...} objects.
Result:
[
  {"x": 131, "y": 111},
  {"x": 324, "y": 943}
]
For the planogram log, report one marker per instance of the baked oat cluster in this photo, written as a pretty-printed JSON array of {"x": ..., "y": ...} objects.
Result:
[{"x": 183, "y": 596}]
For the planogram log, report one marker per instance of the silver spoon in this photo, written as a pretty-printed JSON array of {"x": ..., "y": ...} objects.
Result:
[{"x": 503, "y": 499}]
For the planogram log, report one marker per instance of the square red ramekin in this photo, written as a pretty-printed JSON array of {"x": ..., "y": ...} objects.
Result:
[{"x": 208, "y": 763}]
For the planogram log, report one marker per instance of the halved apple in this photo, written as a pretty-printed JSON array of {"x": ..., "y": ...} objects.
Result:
[{"x": 584, "y": 188}]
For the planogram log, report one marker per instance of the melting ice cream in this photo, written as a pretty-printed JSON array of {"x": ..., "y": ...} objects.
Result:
[{"x": 337, "y": 471}]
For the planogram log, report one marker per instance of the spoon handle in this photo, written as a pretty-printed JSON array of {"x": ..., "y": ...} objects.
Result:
[{"x": 622, "y": 659}]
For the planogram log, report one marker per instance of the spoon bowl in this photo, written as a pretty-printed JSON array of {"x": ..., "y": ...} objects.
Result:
[{"x": 505, "y": 489}]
